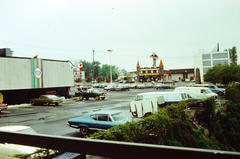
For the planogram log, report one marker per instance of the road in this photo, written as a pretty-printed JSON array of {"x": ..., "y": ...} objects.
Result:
[{"x": 52, "y": 120}]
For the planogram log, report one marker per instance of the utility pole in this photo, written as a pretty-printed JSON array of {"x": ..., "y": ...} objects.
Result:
[
  {"x": 93, "y": 69},
  {"x": 110, "y": 65}
]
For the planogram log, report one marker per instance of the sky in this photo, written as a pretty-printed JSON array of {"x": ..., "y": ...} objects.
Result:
[{"x": 132, "y": 29}]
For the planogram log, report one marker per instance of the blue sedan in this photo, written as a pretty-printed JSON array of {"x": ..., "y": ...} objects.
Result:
[
  {"x": 162, "y": 86},
  {"x": 99, "y": 120}
]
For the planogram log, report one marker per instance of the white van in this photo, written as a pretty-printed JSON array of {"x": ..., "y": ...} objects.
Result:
[
  {"x": 142, "y": 105},
  {"x": 146, "y": 107},
  {"x": 169, "y": 97},
  {"x": 199, "y": 92}
]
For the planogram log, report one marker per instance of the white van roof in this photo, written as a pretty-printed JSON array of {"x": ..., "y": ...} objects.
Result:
[
  {"x": 191, "y": 88},
  {"x": 168, "y": 96}
]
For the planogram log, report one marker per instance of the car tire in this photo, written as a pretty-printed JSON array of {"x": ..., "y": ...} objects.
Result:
[
  {"x": 47, "y": 104},
  {"x": 84, "y": 130},
  {"x": 220, "y": 93},
  {"x": 56, "y": 104},
  {"x": 80, "y": 98},
  {"x": 134, "y": 114},
  {"x": 33, "y": 103},
  {"x": 87, "y": 98},
  {"x": 103, "y": 98},
  {"x": 200, "y": 104},
  {"x": 97, "y": 97}
]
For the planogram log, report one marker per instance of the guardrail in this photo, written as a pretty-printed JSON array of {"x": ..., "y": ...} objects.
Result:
[{"x": 113, "y": 149}]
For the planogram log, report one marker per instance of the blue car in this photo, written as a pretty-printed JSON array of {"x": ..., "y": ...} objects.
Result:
[
  {"x": 162, "y": 86},
  {"x": 99, "y": 120}
]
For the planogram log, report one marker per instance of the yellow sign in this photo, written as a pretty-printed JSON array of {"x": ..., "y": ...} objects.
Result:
[
  {"x": 1, "y": 97},
  {"x": 149, "y": 74}
]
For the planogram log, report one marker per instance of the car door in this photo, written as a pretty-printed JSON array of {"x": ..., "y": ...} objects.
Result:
[{"x": 104, "y": 122}]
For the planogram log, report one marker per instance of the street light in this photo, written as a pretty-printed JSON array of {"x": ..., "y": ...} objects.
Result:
[{"x": 110, "y": 64}]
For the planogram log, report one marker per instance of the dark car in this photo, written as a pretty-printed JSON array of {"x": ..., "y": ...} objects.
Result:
[
  {"x": 162, "y": 86},
  {"x": 99, "y": 120},
  {"x": 47, "y": 100}
]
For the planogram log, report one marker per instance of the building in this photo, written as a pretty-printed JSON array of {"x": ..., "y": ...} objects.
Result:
[
  {"x": 204, "y": 61},
  {"x": 157, "y": 73}
]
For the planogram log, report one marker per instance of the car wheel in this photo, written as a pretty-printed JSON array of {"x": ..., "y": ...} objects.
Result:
[
  {"x": 84, "y": 130},
  {"x": 56, "y": 104},
  {"x": 87, "y": 98},
  {"x": 156, "y": 88},
  {"x": 47, "y": 104},
  {"x": 33, "y": 103},
  {"x": 134, "y": 114},
  {"x": 81, "y": 98},
  {"x": 201, "y": 104},
  {"x": 97, "y": 97},
  {"x": 220, "y": 93},
  {"x": 103, "y": 98}
]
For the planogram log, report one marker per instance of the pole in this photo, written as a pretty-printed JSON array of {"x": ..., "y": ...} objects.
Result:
[
  {"x": 110, "y": 65},
  {"x": 93, "y": 70}
]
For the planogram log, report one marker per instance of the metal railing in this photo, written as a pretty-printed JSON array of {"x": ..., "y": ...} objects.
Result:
[{"x": 113, "y": 149}]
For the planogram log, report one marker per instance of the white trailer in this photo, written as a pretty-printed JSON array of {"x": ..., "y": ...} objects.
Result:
[
  {"x": 22, "y": 79},
  {"x": 146, "y": 107}
]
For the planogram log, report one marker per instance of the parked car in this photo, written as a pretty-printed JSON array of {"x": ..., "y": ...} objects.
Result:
[
  {"x": 99, "y": 120},
  {"x": 169, "y": 97},
  {"x": 91, "y": 93},
  {"x": 200, "y": 92},
  {"x": 7, "y": 149},
  {"x": 110, "y": 87},
  {"x": 47, "y": 100},
  {"x": 162, "y": 86},
  {"x": 122, "y": 87},
  {"x": 3, "y": 106},
  {"x": 82, "y": 86},
  {"x": 144, "y": 85},
  {"x": 96, "y": 85},
  {"x": 133, "y": 85}
]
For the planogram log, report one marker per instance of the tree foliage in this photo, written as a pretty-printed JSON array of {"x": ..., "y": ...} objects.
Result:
[
  {"x": 78, "y": 80},
  {"x": 99, "y": 79},
  {"x": 88, "y": 79},
  {"x": 222, "y": 74},
  {"x": 233, "y": 54},
  {"x": 99, "y": 70}
]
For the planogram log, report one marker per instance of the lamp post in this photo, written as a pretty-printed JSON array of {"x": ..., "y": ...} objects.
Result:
[
  {"x": 93, "y": 69},
  {"x": 110, "y": 64}
]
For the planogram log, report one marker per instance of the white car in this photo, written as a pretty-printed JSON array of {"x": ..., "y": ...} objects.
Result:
[{"x": 10, "y": 150}]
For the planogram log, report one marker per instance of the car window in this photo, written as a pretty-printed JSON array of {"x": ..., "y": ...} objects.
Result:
[
  {"x": 94, "y": 116},
  {"x": 42, "y": 97},
  {"x": 203, "y": 91},
  {"x": 118, "y": 116},
  {"x": 103, "y": 117}
]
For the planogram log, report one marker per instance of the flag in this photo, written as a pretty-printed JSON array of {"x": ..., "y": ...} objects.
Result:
[
  {"x": 72, "y": 65},
  {"x": 80, "y": 66},
  {"x": 154, "y": 57}
]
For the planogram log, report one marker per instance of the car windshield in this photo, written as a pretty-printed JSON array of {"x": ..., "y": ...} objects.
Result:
[
  {"x": 118, "y": 116},
  {"x": 208, "y": 91}
]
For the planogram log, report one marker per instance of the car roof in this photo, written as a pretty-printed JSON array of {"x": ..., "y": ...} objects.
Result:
[
  {"x": 192, "y": 87},
  {"x": 14, "y": 128},
  {"x": 159, "y": 93}
]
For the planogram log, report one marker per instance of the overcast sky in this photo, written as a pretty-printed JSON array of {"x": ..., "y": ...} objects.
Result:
[{"x": 133, "y": 29}]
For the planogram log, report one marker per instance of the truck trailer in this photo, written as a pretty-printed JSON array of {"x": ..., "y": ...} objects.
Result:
[{"x": 22, "y": 78}]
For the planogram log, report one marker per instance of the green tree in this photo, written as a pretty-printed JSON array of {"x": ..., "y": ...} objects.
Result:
[
  {"x": 105, "y": 71},
  {"x": 213, "y": 74},
  {"x": 230, "y": 73},
  {"x": 233, "y": 54},
  {"x": 222, "y": 74}
]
